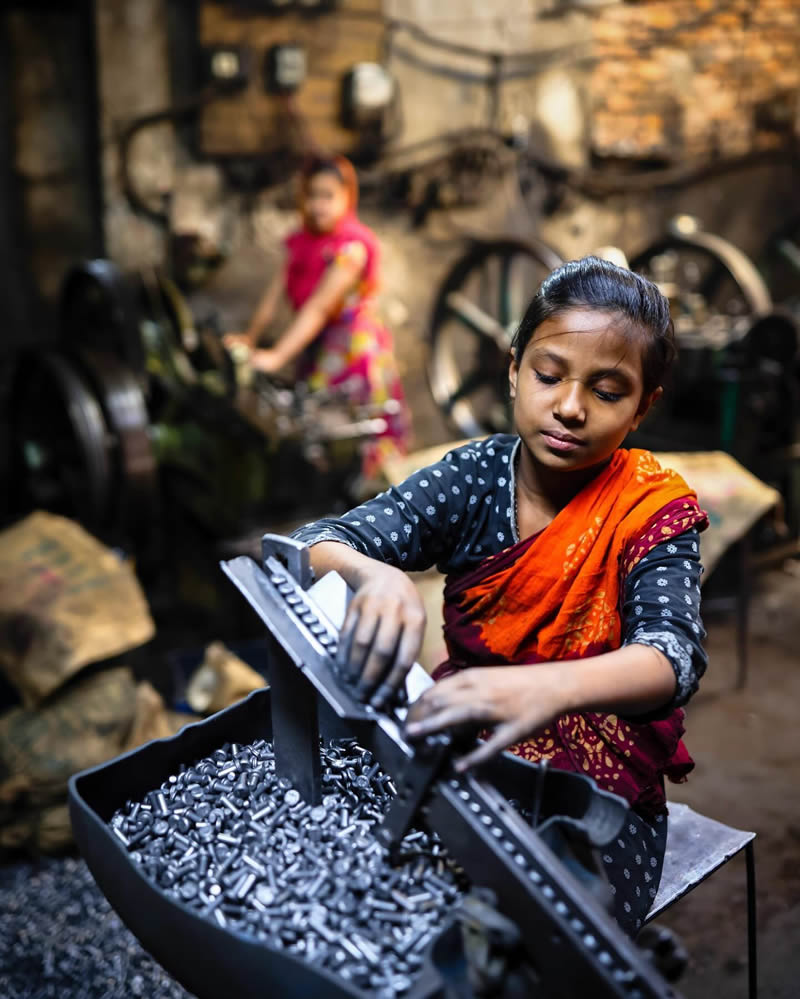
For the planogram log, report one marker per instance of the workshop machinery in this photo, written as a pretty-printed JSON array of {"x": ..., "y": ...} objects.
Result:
[
  {"x": 735, "y": 384},
  {"x": 474, "y": 317},
  {"x": 734, "y": 387},
  {"x": 140, "y": 411},
  {"x": 201, "y": 841}
]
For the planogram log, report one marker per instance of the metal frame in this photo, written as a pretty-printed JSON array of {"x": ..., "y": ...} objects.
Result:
[
  {"x": 731, "y": 842},
  {"x": 572, "y": 944}
]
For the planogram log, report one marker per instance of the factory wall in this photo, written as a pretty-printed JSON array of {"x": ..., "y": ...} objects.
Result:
[
  {"x": 615, "y": 85},
  {"x": 591, "y": 85}
]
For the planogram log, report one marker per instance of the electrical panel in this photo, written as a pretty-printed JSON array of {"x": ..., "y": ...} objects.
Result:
[{"x": 301, "y": 49}]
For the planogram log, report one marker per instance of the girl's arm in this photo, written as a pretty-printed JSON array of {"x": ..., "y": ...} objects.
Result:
[
  {"x": 520, "y": 700},
  {"x": 412, "y": 526},
  {"x": 262, "y": 317},
  {"x": 657, "y": 669},
  {"x": 338, "y": 280}
]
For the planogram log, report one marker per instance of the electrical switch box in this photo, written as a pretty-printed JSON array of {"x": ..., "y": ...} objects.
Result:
[
  {"x": 285, "y": 68},
  {"x": 227, "y": 66},
  {"x": 306, "y": 52}
]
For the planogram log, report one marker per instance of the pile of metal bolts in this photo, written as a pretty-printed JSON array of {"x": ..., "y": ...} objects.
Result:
[
  {"x": 229, "y": 838},
  {"x": 60, "y": 939}
]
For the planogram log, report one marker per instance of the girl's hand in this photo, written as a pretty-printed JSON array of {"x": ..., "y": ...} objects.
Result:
[
  {"x": 268, "y": 361},
  {"x": 518, "y": 700},
  {"x": 382, "y": 632},
  {"x": 237, "y": 339}
]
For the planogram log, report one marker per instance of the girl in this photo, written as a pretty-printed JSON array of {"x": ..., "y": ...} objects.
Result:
[
  {"x": 330, "y": 276},
  {"x": 571, "y": 604}
]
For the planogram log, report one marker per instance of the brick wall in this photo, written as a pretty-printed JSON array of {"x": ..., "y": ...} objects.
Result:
[{"x": 679, "y": 79}]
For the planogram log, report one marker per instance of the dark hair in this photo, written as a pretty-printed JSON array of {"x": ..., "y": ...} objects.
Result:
[
  {"x": 315, "y": 165},
  {"x": 337, "y": 166},
  {"x": 592, "y": 283}
]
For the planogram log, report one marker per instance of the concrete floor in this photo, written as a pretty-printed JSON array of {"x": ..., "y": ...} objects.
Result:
[{"x": 746, "y": 744}]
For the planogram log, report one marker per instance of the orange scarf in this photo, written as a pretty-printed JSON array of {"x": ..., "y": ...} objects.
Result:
[{"x": 558, "y": 594}]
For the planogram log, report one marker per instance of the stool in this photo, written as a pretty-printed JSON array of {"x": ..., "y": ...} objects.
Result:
[{"x": 696, "y": 847}]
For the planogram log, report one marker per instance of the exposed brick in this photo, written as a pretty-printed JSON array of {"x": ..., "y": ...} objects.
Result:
[{"x": 742, "y": 55}]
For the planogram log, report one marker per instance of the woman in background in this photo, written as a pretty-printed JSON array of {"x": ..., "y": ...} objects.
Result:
[{"x": 330, "y": 275}]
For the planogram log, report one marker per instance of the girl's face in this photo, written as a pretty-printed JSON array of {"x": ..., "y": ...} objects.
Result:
[
  {"x": 326, "y": 201},
  {"x": 577, "y": 390}
]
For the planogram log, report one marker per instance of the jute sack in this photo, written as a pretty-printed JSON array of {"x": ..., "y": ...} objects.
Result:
[
  {"x": 65, "y": 601},
  {"x": 96, "y": 717},
  {"x": 220, "y": 680}
]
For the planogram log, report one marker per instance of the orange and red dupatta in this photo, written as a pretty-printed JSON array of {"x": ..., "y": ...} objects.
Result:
[{"x": 557, "y": 595}]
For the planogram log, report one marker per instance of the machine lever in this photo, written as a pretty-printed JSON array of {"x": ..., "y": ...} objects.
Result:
[
  {"x": 414, "y": 782},
  {"x": 294, "y": 555}
]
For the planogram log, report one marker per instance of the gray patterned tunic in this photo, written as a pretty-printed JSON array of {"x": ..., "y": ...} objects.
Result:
[{"x": 460, "y": 510}]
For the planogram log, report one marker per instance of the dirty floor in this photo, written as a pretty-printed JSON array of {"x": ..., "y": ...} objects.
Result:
[{"x": 746, "y": 744}]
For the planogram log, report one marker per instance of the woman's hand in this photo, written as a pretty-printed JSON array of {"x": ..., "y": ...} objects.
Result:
[
  {"x": 266, "y": 360},
  {"x": 518, "y": 700},
  {"x": 382, "y": 632},
  {"x": 237, "y": 339}
]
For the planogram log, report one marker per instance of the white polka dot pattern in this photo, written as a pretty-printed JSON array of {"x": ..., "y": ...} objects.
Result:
[{"x": 456, "y": 512}]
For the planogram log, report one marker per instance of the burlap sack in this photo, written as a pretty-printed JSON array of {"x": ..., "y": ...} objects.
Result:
[
  {"x": 151, "y": 718},
  {"x": 220, "y": 680},
  {"x": 38, "y": 830},
  {"x": 65, "y": 601},
  {"x": 40, "y": 748},
  {"x": 94, "y": 719}
]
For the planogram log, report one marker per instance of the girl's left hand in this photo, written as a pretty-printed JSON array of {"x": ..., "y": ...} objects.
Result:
[
  {"x": 266, "y": 360},
  {"x": 518, "y": 700}
]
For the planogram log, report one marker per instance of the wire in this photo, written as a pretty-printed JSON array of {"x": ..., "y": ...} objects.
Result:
[
  {"x": 188, "y": 106},
  {"x": 602, "y": 183},
  {"x": 592, "y": 183}
]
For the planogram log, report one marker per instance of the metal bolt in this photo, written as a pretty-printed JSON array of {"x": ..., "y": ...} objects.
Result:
[{"x": 243, "y": 849}]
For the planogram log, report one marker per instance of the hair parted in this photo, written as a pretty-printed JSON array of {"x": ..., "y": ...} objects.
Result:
[
  {"x": 337, "y": 166},
  {"x": 593, "y": 283}
]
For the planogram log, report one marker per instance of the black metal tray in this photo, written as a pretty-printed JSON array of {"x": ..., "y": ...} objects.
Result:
[{"x": 217, "y": 962}]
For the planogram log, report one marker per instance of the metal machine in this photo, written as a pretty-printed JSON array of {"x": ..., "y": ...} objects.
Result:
[
  {"x": 735, "y": 386},
  {"x": 475, "y": 315},
  {"x": 535, "y": 923},
  {"x": 141, "y": 412}
]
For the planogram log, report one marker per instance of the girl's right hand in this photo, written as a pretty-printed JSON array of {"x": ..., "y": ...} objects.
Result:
[{"x": 382, "y": 633}]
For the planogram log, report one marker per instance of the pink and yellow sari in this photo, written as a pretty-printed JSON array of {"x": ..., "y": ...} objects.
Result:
[{"x": 354, "y": 350}]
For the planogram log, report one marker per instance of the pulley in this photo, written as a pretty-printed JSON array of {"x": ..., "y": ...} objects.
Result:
[
  {"x": 713, "y": 288},
  {"x": 61, "y": 447},
  {"x": 134, "y": 502},
  {"x": 474, "y": 317},
  {"x": 98, "y": 310}
]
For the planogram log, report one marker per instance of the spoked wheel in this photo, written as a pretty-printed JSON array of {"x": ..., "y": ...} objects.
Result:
[
  {"x": 714, "y": 289},
  {"x": 60, "y": 441},
  {"x": 718, "y": 398},
  {"x": 474, "y": 318}
]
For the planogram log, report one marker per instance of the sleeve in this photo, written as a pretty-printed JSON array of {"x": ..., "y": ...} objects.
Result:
[
  {"x": 411, "y": 526},
  {"x": 661, "y": 608},
  {"x": 352, "y": 252}
]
